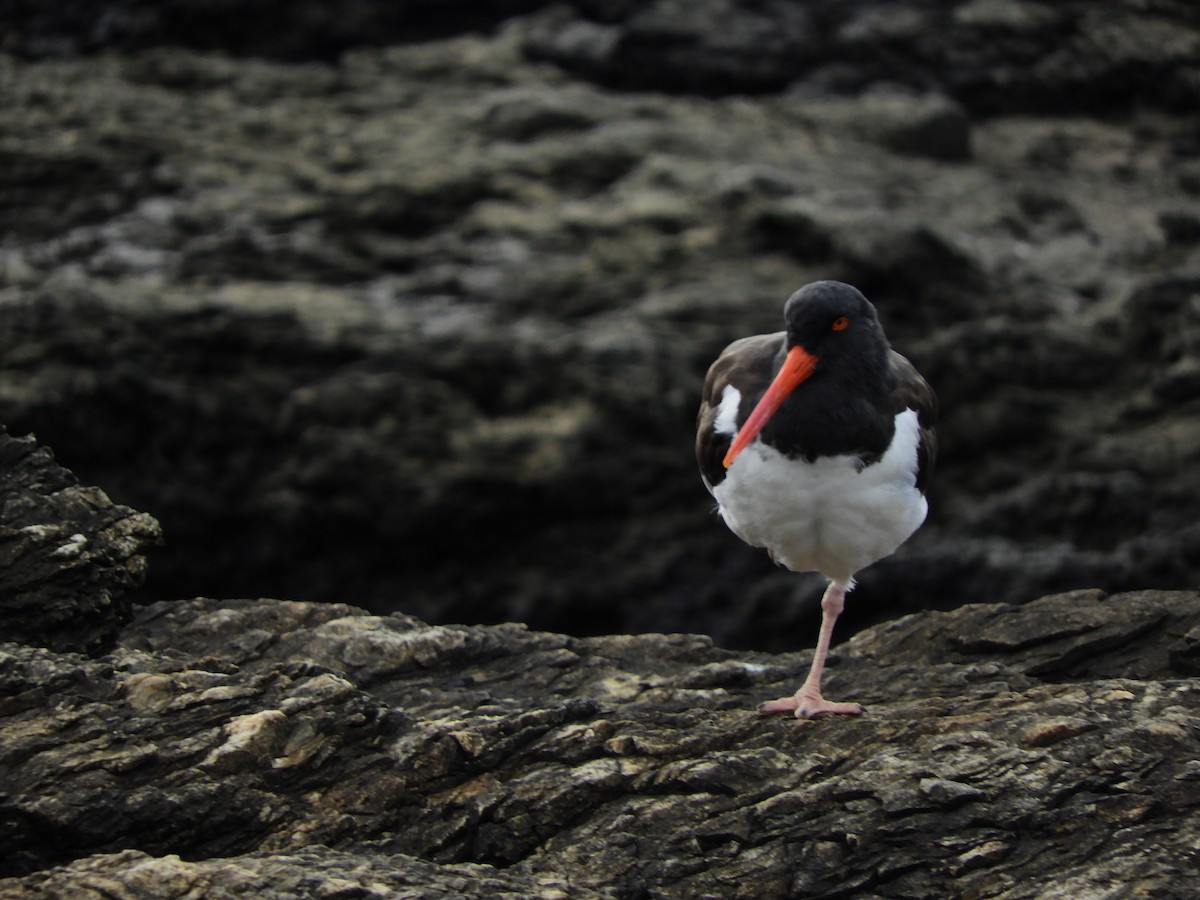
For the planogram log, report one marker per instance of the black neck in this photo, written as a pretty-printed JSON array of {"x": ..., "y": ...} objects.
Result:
[{"x": 841, "y": 409}]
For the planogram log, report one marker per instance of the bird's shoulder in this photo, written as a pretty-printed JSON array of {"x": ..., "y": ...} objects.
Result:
[
  {"x": 912, "y": 391},
  {"x": 747, "y": 366}
]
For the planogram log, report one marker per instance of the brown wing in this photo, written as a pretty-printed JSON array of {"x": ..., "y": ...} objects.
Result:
[
  {"x": 913, "y": 392},
  {"x": 746, "y": 364}
]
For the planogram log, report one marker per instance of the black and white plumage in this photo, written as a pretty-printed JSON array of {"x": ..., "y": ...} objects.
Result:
[{"x": 818, "y": 443}]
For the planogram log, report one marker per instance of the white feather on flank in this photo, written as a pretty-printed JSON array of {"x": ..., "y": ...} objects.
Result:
[{"x": 833, "y": 515}]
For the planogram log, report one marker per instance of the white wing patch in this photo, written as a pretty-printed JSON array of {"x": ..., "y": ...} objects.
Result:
[
  {"x": 833, "y": 515},
  {"x": 727, "y": 410}
]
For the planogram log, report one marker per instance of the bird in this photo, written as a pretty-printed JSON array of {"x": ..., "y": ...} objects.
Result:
[{"x": 818, "y": 443}]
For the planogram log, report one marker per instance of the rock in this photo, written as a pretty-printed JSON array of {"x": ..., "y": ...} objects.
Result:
[
  {"x": 929, "y": 125},
  {"x": 312, "y": 872},
  {"x": 421, "y": 325},
  {"x": 68, "y": 555},
  {"x": 405, "y": 311},
  {"x": 996, "y": 55},
  {"x": 496, "y": 761},
  {"x": 262, "y": 747},
  {"x": 269, "y": 29}
]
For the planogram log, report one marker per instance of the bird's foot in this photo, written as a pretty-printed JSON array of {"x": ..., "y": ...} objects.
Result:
[{"x": 806, "y": 704}]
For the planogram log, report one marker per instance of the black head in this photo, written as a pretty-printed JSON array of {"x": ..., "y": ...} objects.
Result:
[
  {"x": 834, "y": 366},
  {"x": 831, "y": 319}
]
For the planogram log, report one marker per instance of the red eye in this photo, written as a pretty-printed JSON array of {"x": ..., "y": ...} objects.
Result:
[{"x": 840, "y": 323}]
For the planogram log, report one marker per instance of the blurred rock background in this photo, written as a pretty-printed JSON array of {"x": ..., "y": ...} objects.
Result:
[{"x": 408, "y": 305}]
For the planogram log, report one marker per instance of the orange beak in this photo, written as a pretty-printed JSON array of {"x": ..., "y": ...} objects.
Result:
[{"x": 796, "y": 368}]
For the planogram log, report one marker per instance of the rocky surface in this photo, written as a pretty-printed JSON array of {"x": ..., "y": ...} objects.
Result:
[
  {"x": 280, "y": 749},
  {"x": 411, "y": 310},
  {"x": 406, "y": 311},
  {"x": 68, "y": 555}
]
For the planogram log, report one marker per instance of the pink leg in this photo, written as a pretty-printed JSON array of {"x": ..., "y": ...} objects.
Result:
[{"x": 808, "y": 702}]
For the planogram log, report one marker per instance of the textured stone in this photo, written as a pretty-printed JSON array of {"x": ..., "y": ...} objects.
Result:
[
  {"x": 406, "y": 309},
  {"x": 422, "y": 327},
  {"x": 68, "y": 555},
  {"x": 482, "y": 760},
  {"x": 350, "y": 326}
]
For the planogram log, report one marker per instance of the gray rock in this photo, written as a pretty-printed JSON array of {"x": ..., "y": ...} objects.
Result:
[
  {"x": 928, "y": 125},
  {"x": 405, "y": 310},
  {"x": 315, "y": 871},
  {"x": 283, "y": 748},
  {"x": 994, "y": 55},
  {"x": 421, "y": 326},
  {"x": 68, "y": 555},
  {"x": 492, "y": 760}
]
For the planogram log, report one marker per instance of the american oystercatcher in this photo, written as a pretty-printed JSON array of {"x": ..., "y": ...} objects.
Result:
[{"x": 817, "y": 443}]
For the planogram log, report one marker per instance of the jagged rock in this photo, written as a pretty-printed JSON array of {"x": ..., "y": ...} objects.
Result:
[
  {"x": 1004, "y": 746},
  {"x": 312, "y": 872},
  {"x": 355, "y": 329},
  {"x": 998, "y": 55},
  {"x": 68, "y": 555},
  {"x": 422, "y": 326},
  {"x": 294, "y": 31},
  {"x": 415, "y": 320},
  {"x": 929, "y": 125}
]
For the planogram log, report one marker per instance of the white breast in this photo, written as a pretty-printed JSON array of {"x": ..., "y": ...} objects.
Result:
[{"x": 834, "y": 515}]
